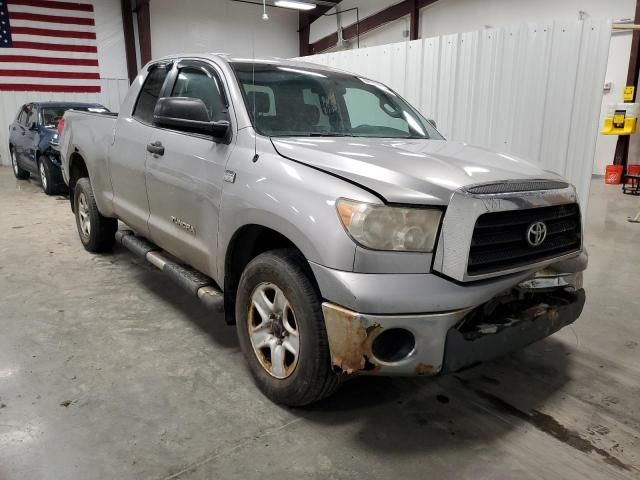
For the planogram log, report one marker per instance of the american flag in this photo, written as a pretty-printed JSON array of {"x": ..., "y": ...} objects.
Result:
[{"x": 48, "y": 46}]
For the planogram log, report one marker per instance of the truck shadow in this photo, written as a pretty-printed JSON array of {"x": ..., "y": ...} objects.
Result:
[
  {"x": 413, "y": 414},
  {"x": 396, "y": 415},
  {"x": 210, "y": 323}
]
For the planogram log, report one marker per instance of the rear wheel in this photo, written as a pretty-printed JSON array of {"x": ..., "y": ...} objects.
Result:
[
  {"x": 96, "y": 231},
  {"x": 20, "y": 173},
  {"x": 281, "y": 329}
]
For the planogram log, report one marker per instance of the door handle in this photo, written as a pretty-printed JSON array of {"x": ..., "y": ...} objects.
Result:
[{"x": 156, "y": 148}]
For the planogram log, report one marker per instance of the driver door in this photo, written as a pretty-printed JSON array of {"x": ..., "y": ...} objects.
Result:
[{"x": 184, "y": 182}]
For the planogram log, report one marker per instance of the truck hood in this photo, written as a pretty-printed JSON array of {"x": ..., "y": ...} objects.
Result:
[{"x": 408, "y": 171}]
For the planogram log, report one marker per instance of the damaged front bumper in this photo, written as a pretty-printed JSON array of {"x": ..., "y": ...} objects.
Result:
[{"x": 428, "y": 344}]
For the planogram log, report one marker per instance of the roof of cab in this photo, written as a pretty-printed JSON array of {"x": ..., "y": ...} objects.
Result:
[
  {"x": 228, "y": 58},
  {"x": 67, "y": 104}
]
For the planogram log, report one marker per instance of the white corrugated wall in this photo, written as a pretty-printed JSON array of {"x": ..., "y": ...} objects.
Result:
[{"x": 533, "y": 90}]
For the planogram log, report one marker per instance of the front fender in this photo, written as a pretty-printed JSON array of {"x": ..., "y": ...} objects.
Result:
[{"x": 295, "y": 200}]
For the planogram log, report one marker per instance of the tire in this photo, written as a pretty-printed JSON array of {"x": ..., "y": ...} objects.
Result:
[
  {"x": 47, "y": 180},
  {"x": 280, "y": 280},
  {"x": 97, "y": 232},
  {"x": 20, "y": 173}
]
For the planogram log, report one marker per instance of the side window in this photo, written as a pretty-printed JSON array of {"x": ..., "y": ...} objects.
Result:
[
  {"x": 33, "y": 116},
  {"x": 22, "y": 116},
  {"x": 195, "y": 83},
  {"x": 149, "y": 94}
]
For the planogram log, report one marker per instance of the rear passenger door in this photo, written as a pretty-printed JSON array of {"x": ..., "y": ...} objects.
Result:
[
  {"x": 185, "y": 183},
  {"x": 18, "y": 132},
  {"x": 128, "y": 154},
  {"x": 31, "y": 139}
]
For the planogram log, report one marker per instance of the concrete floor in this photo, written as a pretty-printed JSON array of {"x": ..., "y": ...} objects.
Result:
[{"x": 108, "y": 371}]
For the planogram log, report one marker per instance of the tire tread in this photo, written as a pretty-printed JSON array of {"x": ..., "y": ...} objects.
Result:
[
  {"x": 103, "y": 229},
  {"x": 325, "y": 381}
]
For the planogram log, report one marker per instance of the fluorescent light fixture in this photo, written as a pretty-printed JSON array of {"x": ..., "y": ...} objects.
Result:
[{"x": 294, "y": 4}]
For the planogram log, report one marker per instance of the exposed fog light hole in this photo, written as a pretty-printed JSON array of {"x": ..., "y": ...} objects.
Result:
[{"x": 393, "y": 345}]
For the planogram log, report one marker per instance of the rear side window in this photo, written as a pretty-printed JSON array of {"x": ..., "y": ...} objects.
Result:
[
  {"x": 22, "y": 116},
  {"x": 32, "y": 119},
  {"x": 149, "y": 95}
]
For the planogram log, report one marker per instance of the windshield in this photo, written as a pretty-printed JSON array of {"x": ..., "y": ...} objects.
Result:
[
  {"x": 287, "y": 101},
  {"x": 51, "y": 115}
]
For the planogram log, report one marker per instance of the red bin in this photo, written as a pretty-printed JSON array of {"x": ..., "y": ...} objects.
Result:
[
  {"x": 633, "y": 170},
  {"x": 613, "y": 174}
]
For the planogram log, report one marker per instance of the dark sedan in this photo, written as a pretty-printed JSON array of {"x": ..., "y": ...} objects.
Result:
[{"x": 31, "y": 137}]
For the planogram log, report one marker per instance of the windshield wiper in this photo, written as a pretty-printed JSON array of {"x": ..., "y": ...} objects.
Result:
[{"x": 329, "y": 134}]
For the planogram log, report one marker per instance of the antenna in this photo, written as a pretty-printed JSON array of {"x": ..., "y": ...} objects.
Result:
[{"x": 253, "y": 84}]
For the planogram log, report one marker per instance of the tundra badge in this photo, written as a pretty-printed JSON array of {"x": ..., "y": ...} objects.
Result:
[{"x": 184, "y": 225}]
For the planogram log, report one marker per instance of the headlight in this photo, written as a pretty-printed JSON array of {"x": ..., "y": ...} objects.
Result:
[{"x": 380, "y": 227}]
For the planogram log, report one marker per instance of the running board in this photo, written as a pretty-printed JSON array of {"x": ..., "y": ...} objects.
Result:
[{"x": 194, "y": 282}]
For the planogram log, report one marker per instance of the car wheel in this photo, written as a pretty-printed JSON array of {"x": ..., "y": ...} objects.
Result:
[
  {"x": 20, "y": 173},
  {"x": 46, "y": 177},
  {"x": 96, "y": 231},
  {"x": 281, "y": 329}
]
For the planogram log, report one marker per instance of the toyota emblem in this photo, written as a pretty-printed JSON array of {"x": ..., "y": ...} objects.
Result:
[{"x": 536, "y": 234}]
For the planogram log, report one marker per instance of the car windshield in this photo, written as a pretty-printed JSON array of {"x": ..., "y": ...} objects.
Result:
[
  {"x": 51, "y": 115},
  {"x": 288, "y": 101}
]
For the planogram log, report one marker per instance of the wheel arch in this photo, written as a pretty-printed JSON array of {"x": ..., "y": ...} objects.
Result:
[
  {"x": 246, "y": 243},
  {"x": 77, "y": 170}
]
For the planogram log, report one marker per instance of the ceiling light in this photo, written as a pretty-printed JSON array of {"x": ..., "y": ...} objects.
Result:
[{"x": 294, "y": 4}]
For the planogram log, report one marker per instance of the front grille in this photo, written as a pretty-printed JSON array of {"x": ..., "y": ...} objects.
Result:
[
  {"x": 499, "y": 239},
  {"x": 520, "y": 186}
]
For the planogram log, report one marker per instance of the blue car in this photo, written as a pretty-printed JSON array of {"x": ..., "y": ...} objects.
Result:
[{"x": 33, "y": 138}]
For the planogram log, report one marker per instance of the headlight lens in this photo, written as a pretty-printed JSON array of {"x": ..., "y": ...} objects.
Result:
[{"x": 380, "y": 227}]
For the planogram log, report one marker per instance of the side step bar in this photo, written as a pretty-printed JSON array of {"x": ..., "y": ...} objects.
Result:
[{"x": 192, "y": 281}]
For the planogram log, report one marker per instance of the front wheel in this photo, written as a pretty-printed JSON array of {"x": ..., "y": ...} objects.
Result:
[
  {"x": 20, "y": 173},
  {"x": 97, "y": 232},
  {"x": 47, "y": 180},
  {"x": 281, "y": 329}
]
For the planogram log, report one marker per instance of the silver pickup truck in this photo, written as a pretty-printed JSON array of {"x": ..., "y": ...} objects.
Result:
[{"x": 328, "y": 219}]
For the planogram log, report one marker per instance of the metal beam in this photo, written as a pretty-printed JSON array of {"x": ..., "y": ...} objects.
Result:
[
  {"x": 144, "y": 30},
  {"x": 389, "y": 14},
  {"x": 414, "y": 24},
  {"x": 129, "y": 39},
  {"x": 621, "y": 157},
  {"x": 305, "y": 20}
]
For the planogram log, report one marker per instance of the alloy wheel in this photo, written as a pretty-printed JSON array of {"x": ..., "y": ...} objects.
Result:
[
  {"x": 43, "y": 175},
  {"x": 83, "y": 213},
  {"x": 14, "y": 162},
  {"x": 273, "y": 330}
]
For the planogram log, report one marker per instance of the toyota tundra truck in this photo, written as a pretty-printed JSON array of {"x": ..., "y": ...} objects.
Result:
[{"x": 328, "y": 220}]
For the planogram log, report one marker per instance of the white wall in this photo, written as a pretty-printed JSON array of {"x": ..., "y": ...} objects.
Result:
[
  {"x": 222, "y": 26},
  {"x": 452, "y": 16},
  {"x": 533, "y": 90},
  {"x": 389, "y": 33},
  {"x": 113, "y": 73},
  {"x": 448, "y": 16}
]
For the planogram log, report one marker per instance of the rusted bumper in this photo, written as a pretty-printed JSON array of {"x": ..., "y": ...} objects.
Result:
[
  {"x": 352, "y": 335},
  {"x": 450, "y": 341},
  {"x": 479, "y": 341}
]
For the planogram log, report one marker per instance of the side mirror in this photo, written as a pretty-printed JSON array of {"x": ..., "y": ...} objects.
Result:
[
  {"x": 189, "y": 115},
  {"x": 432, "y": 122}
]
